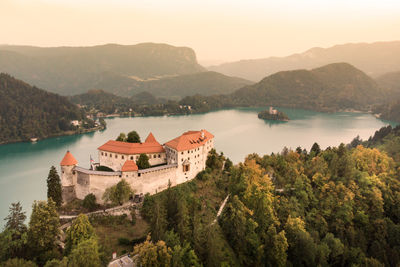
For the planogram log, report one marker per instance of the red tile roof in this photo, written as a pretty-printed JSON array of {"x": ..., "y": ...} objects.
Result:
[
  {"x": 149, "y": 146},
  {"x": 190, "y": 140},
  {"x": 129, "y": 166},
  {"x": 150, "y": 138},
  {"x": 68, "y": 160}
]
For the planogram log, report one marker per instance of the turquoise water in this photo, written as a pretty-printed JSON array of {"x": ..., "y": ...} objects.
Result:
[{"x": 238, "y": 132}]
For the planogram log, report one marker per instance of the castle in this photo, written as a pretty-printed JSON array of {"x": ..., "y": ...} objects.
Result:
[{"x": 175, "y": 162}]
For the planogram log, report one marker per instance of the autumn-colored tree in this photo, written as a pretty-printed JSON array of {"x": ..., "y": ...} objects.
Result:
[{"x": 153, "y": 255}]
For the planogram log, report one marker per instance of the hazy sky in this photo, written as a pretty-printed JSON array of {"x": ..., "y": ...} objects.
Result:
[{"x": 215, "y": 29}]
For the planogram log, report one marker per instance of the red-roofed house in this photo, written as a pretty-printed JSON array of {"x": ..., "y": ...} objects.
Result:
[
  {"x": 113, "y": 154},
  {"x": 190, "y": 152}
]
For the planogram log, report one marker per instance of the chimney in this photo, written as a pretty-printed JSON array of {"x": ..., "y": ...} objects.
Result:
[{"x": 202, "y": 134}]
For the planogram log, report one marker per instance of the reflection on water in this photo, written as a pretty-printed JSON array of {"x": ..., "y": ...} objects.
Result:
[{"x": 238, "y": 132}]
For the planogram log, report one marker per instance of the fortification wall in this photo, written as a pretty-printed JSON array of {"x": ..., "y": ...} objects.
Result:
[{"x": 154, "y": 180}]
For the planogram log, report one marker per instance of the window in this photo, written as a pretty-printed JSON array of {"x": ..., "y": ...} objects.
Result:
[
  {"x": 131, "y": 157},
  {"x": 110, "y": 155},
  {"x": 102, "y": 153},
  {"x": 116, "y": 156},
  {"x": 122, "y": 157},
  {"x": 159, "y": 155},
  {"x": 106, "y": 154},
  {"x": 155, "y": 156},
  {"x": 186, "y": 168},
  {"x": 181, "y": 159},
  {"x": 182, "y": 153}
]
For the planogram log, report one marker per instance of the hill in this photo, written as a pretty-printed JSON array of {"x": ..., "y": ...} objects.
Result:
[
  {"x": 391, "y": 82},
  {"x": 373, "y": 58},
  {"x": 332, "y": 87},
  {"x": 205, "y": 83},
  {"x": 73, "y": 70},
  {"x": 27, "y": 112}
]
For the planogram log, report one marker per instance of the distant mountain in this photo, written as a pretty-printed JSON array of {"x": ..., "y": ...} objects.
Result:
[
  {"x": 73, "y": 70},
  {"x": 373, "y": 58},
  {"x": 391, "y": 82},
  {"x": 333, "y": 87},
  {"x": 28, "y": 112},
  {"x": 205, "y": 83}
]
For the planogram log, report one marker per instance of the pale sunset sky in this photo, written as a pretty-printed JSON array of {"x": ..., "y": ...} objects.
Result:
[{"x": 218, "y": 30}]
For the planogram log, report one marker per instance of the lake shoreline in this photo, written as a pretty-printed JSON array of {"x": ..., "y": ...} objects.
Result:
[{"x": 67, "y": 133}]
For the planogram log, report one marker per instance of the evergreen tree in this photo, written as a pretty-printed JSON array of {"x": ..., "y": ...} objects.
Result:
[
  {"x": 143, "y": 161},
  {"x": 316, "y": 149},
  {"x": 54, "y": 189},
  {"x": 80, "y": 230},
  {"x": 133, "y": 137},
  {"x": 158, "y": 220},
  {"x": 16, "y": 217},
  {"x": 43, "y": 226}
]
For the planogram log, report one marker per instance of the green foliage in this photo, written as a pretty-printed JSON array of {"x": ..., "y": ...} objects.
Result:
[
  {"x": 18, "y": 263},
  {"x": 119, "y": 193},
  {"x": 27, "y": 112},
  {"x": 102, "y": 122},
  {"x": 133, "y": 137},
  {"x": 214, "y": 161},
  {"x": 143, "y": 161},
  {"x": 86, "y": 253},
  {"x": 16, "y": 218},
  {"x": 57, "y": 263},
  {"x": 104, "y": 169},
  {"x": 54, "y": 190},
  {"x": 121, "y": 137},
  {"x": 80, "y": 230},
  {"x": 279, "y": 116},
  {"x": 89, "y": 202},
  {"x": 43, "y": 226}
]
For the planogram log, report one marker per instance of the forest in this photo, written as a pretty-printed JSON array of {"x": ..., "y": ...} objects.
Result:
[
  {"x": 332, "y": 207},
  {"x": 28, "y": 112}
]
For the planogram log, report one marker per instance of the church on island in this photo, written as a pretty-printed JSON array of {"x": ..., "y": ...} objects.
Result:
[{"x": 175, "y": 162}]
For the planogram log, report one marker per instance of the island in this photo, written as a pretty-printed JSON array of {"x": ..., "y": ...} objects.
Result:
[{"x": 273, "y": 114}]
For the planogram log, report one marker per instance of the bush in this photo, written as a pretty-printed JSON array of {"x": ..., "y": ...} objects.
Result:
[
  {"x": 124, "y": 241},
  {"x": 89, "y": 202},
  {"x": 104, "y": 169}
]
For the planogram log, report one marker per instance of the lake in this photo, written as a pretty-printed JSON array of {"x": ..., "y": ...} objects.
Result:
[{"x": 238, "y": 132}]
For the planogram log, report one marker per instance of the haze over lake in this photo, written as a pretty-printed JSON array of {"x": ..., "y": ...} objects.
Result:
[{"x": 238, "y": 132}]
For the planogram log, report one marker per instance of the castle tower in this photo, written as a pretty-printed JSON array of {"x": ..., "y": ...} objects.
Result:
[{"x": 68, "y": 182}]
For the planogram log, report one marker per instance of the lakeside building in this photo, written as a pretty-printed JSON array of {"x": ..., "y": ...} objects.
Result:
[{"x": 177, "y": 161}]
